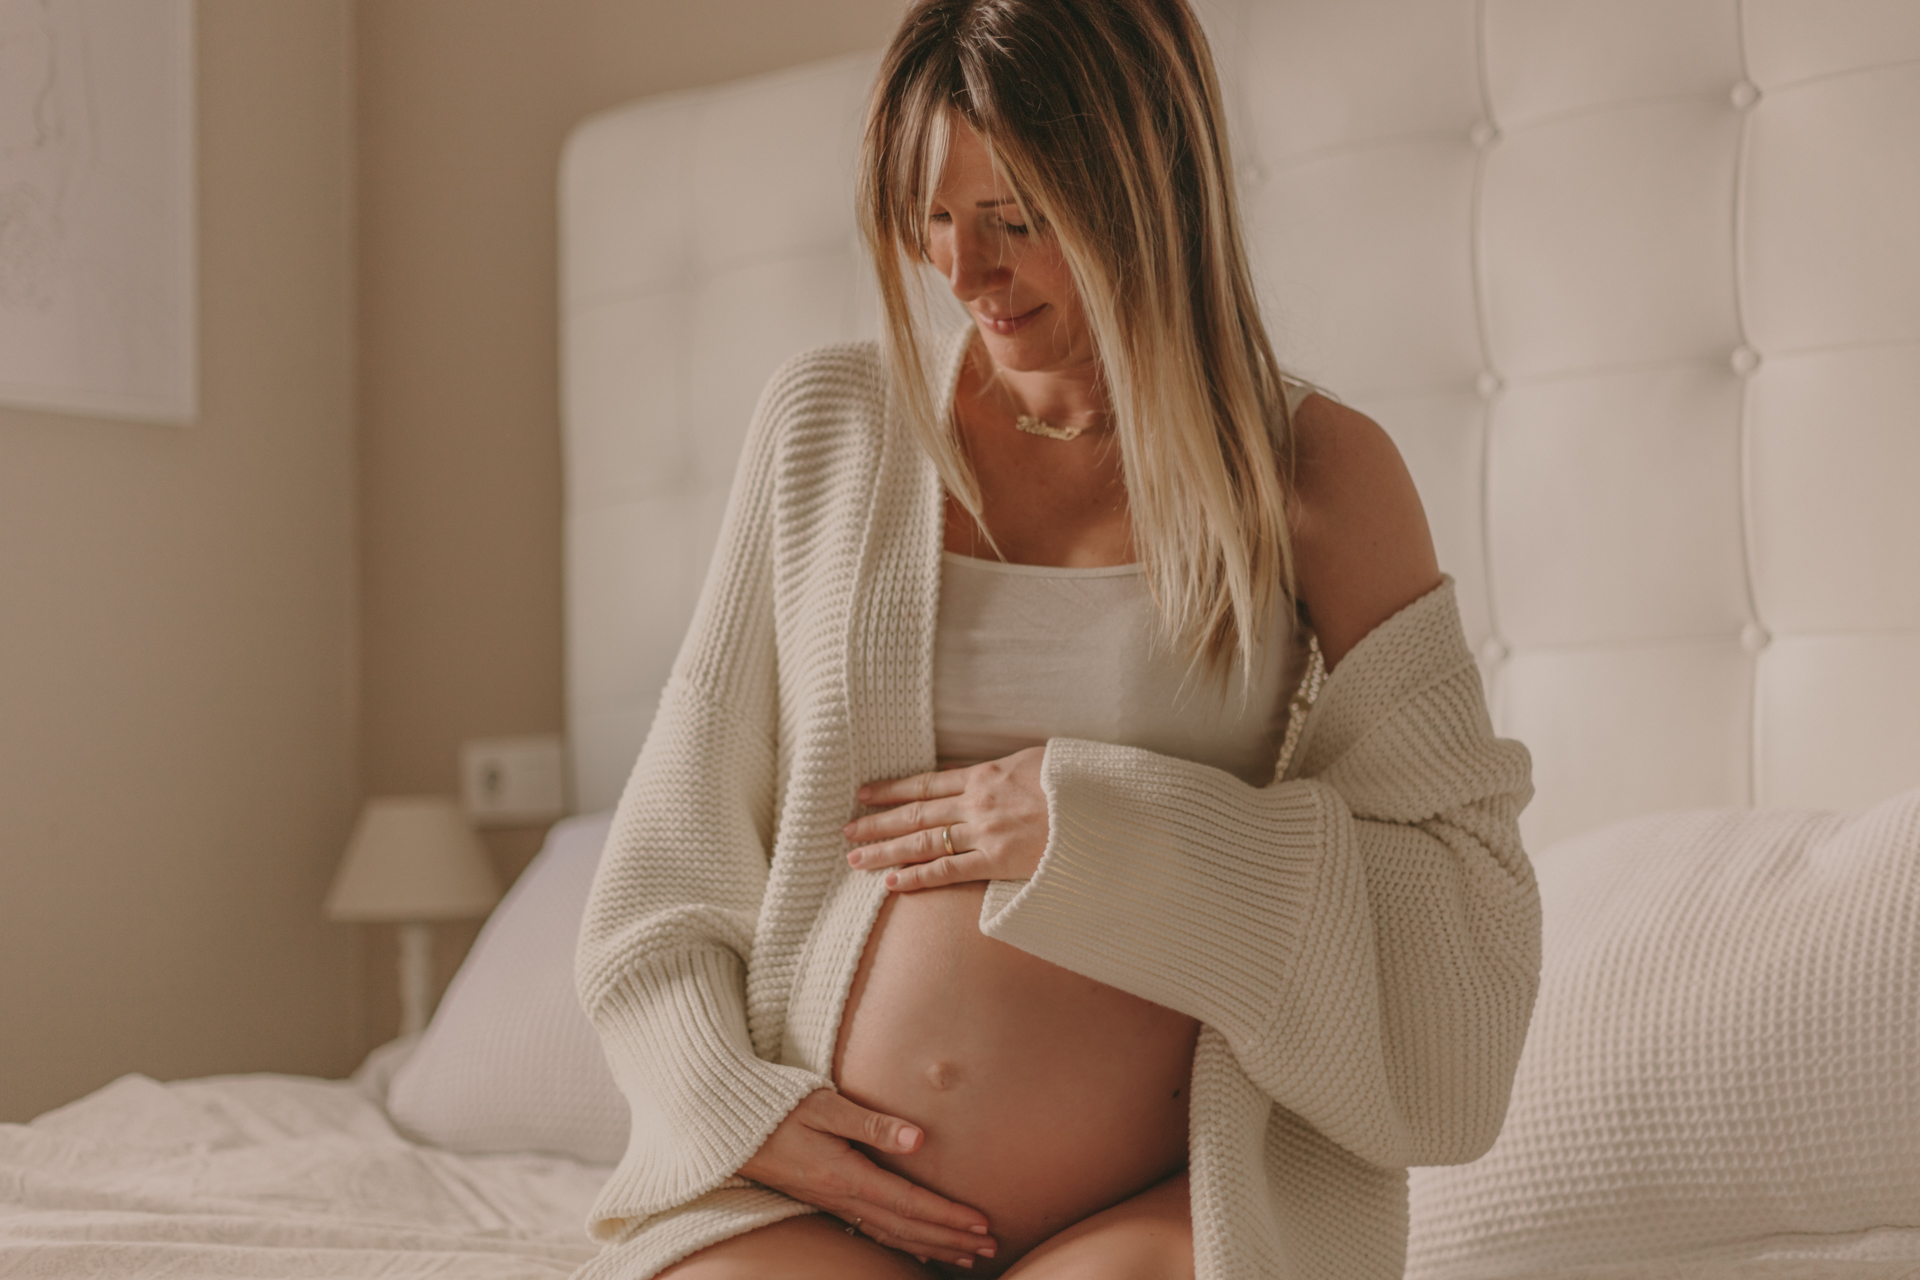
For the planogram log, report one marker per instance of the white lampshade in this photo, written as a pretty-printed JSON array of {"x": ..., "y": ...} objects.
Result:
[{"x": 413, "y": 858}]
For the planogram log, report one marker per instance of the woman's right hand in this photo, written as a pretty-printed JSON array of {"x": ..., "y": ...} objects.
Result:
[{"x": 811, "y": 1158}]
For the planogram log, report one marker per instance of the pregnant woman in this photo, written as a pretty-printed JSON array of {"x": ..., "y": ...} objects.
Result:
[{"x": 980, "y": 904}]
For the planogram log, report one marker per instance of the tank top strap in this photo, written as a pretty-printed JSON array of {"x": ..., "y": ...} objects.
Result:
[{"x": 1295, "y": 392}]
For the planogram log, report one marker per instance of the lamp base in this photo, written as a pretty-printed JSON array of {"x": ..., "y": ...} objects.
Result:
[{"x": 416, "y": 976}]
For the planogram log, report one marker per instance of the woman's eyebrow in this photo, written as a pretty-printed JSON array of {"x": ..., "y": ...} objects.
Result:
[{"x": 993, "y": 204}]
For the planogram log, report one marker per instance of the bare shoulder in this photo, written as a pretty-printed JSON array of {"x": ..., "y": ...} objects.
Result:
[{"x": 1362, "y": 549}]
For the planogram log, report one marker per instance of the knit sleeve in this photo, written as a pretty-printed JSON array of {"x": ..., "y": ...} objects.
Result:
[
  {"x": 668, "y": 929},
  {"x": 1364, "y": 934}
]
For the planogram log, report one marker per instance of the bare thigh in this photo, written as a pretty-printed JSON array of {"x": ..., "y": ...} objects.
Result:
[
  {"x": 1146, "y": 1237},
  {"x": 810, "y": 1247}
]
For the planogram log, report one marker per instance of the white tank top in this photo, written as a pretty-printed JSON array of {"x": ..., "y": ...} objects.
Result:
[{"x": 1023, "y": 653}]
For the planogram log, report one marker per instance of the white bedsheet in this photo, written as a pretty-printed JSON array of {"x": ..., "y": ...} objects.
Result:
[{"x": 273, "y": 1176}]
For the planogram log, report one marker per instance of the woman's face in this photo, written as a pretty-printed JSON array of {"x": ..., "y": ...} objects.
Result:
[{"x": 1011, "y": 278}]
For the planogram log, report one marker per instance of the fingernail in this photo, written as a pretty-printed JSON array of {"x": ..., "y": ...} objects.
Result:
[
  {"x": 965, "y": 1262},
  {"x": 908, "y": 1137},
  {"x": 979, "y": 1231},
  {"x": 853, "y": 859},
  {"x": 862, "y": 794},
  {"x": 892, "y": 880},
  {"x": 985, "y": 1251}
]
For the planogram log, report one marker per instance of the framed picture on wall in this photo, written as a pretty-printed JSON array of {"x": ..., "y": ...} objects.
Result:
[{"x": 97, "y": 306}]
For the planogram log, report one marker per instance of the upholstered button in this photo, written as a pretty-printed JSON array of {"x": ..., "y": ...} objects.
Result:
[
  {"x": 1745, "y": 360},
  {"x": 1745, "y": 94},
  {"x": 1494, "y": 652},
  {"x": 1754, "y": 637},
  {"x": 1484, "y": 135},
  {"x": 1488, "y": 384},
  {"x": 1253, "y": 175}
]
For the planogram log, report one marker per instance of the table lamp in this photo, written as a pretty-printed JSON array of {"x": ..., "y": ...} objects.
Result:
[{"x": 413, "y": 860}]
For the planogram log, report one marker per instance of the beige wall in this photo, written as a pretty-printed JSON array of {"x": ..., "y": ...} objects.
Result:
[
  {"x": 177, "y": 631},
  {"x": 464, "y": 105},
  {"x": 201, "y": 668}
]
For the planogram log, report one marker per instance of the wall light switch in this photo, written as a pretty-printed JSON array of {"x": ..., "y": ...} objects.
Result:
[{"x": 513, "y": 782}]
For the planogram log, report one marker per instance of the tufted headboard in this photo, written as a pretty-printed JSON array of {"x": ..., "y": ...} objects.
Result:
[{"x": 1634, "y": 284}]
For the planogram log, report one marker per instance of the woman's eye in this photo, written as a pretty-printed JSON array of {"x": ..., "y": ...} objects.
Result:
[
  {"x": 939, "y": 217},
  {"x": 1017, "y": 228}
]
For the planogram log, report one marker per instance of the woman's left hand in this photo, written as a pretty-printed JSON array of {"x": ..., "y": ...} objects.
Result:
[{"x": 984, "y": 822}]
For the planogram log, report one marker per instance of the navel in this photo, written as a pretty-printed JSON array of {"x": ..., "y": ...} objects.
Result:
[{"x": 942, "y": 1075}]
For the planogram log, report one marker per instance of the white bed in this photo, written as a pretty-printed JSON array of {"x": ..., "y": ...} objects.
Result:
[
  {"x": 273, "y": 1177},
  {"x": 1635, "y": 284}
]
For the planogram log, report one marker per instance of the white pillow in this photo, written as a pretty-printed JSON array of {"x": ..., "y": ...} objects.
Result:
[
  {"x": 1725, "y": 1056},
  {"x": 509, "y": 1062}
]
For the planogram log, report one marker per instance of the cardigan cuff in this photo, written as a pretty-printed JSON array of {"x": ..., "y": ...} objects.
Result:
[
  {"x": 1150, "y": 863},
  {"x": 702, "y": 1102}
]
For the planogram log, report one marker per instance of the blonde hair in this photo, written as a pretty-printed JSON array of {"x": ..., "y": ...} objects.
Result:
[{"x": 1104, "y": 119}]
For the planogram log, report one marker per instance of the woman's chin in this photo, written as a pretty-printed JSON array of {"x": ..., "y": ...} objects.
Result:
[{"x": 1026, "y": 351}]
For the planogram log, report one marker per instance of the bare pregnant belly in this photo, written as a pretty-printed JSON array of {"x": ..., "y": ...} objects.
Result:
[{"x": 1045, "y": 1096}]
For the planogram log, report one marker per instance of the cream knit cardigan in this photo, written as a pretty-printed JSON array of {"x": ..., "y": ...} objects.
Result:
[{"x": 1360, "y": 941}]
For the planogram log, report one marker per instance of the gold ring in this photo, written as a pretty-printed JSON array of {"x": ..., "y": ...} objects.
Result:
[{"x": 946, "y": 838}]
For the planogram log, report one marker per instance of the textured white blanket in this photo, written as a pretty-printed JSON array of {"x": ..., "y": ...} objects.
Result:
[
  {"x": 273, "y": 1176},
  {"x": 1738, "y": 1269}
]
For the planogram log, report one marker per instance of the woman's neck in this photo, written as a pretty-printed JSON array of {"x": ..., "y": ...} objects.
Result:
[
  {"x": 1048, "y": 501},
  {"x": 1073, "y": 396}
]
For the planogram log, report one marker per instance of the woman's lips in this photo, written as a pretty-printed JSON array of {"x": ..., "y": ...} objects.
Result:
[{"x": 1011, "y": 324}]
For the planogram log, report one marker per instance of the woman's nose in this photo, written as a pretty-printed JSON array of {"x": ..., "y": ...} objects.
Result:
[{"x": 977, "y": 267}]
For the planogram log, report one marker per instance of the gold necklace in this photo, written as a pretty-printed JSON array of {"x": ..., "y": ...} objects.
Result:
[{"x": 1035, "y": 427}]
